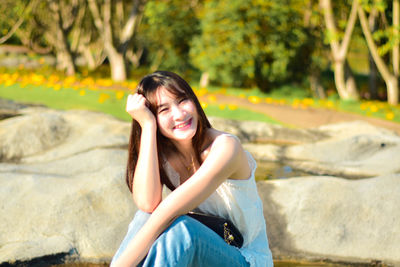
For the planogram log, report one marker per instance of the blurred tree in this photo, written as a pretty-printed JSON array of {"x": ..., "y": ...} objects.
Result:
[
  {"x": 248, "y": 42},
  {"x": 58, "y": 26},
  {"x": 117, "y": 22},
  {"x": 166, "y": 31},
  {"x": 390, "y": 35},
  {"x": 344, "y": 80},
  {"x": 12, "y": 16},
  {"x": 19, "y": 27},
  {"x": 312, "y": 58}
]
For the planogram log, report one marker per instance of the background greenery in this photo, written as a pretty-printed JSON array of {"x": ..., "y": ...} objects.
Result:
[{"x": 257, "y": 48}]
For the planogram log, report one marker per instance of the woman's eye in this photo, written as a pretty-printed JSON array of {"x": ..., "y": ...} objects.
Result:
[
  {"x": 162, "y": 110},
  {"x": 183, "y": 100}
]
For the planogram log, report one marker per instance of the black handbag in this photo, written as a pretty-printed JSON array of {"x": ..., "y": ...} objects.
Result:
[{"x": 223, "y": 227}]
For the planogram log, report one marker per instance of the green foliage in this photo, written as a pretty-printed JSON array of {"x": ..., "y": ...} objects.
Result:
[
  {"x": 166, "y": 31},
  {"x": 248, "y": 42}
]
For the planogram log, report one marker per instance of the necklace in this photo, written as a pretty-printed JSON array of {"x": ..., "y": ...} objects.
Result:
[{"x": 189, "y": 167}]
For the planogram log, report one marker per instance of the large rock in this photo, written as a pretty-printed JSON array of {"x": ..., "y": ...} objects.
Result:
[
  {"x": 333, "y": 218},
  {"x": 355, "y": 149},
  {"x": 261, "y": 132},
  {"x": 62, "y": 189},
  {"x": 65, "y": 195}
]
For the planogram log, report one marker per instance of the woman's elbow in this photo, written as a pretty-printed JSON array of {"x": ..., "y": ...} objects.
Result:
[{"x": 146, "y": 205}]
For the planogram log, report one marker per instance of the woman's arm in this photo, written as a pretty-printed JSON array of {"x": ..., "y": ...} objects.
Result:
[
  {"x": 146, "y": 186},
  {"x": 225, "y": 158}
]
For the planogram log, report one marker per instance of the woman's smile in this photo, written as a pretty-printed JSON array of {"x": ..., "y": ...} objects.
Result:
[{"x": 183, "y": 126}]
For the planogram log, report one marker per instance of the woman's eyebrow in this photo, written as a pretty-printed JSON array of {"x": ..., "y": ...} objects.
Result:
[{"x": 162, "y": 105}]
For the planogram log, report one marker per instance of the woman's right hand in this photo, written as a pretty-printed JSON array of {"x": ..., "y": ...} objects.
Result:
[{"x": 136, "y": 106}]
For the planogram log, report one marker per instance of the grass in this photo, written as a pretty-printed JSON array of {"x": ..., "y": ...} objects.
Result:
[
  {"x": 102, "y": 100},
  {"x": 98, "y": 94}
]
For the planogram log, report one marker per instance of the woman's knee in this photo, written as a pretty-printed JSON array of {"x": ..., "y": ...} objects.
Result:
[
  {"x": 175, "y": 246},
  {"x": 182, "y": 234}
]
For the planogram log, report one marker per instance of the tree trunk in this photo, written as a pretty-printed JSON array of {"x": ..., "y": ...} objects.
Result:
[
  {"x": 316, "y": 86},
  {"x": 396, "y": 22},
  {"x": 117, "y": 64},
  {"x": 345, "y": 84},
  {"x": 393, "y": 90},
  {"x": 61, "y": 43},
  {"x": 351, "y": 87},
  {"x": 340, "y": 83},
  {"x": 390, "y": 80},
  {"x": 373, "y": 71},
  {"x": 373, "y": 78},
  {"x": 65, "y": 62},
  {"x": 204, "y": 79},
  {"x": 114, "y": 47}
]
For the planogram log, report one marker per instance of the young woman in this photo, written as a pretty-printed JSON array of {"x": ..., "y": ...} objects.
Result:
[{"x": 172, "y": 143}]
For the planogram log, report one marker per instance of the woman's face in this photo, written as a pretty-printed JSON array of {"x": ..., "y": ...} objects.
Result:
[{"x": 177, "y": 118}]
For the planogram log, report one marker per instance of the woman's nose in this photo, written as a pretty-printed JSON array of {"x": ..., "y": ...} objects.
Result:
[{"x": 177, "y": 112}]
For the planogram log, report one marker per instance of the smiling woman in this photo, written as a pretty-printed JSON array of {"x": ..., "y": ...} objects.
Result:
[{"x": 172, "y": 143}]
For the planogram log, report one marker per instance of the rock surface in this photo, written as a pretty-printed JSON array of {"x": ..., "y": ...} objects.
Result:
[
  {"x": 334, "y": 218},
  {"x": 66, "y": 192},
  {"x": 352, "y": 150},
  {"x": 62, "y": 188}
]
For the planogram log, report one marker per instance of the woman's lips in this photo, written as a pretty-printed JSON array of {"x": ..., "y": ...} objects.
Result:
[{"x": 183, "y": 125}]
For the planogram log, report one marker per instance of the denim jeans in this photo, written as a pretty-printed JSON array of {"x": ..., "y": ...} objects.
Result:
[{"x": 186, "y": 242}]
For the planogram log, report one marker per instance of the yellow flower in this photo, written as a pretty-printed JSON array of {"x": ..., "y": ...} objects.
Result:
[
  {"x": 69, "y": 80},
  {"x": 104, "y": 82},
  {"x": 37, "y": 79},
  {"x": 82, "y": 92},
  {"x": 119, "y": 94},
  {"x": 57, "y": 87},
  {"x": 269, "y": 100},
  {"x": 88, "y": 81},
  {"x": 204, "y": 105},
  {"x": 241, "y": 95},
  {"x": 390, "y": 115},
  {"x": 103, "y": 97},
  {"x": 212, "y": 98},
  {"x": 53, "y": 78},
  {"x": 201, "y": 92},
  {"x": 9, "y": 83},
  {"x": 363, "y": 106},
  {"x": 374, "y": 108},
  {"x": 308, "y": 101},
  {"x": 221, "y": 106},
  {"x": 254, "y": 99},
  {"x": 232, "y": 107}
]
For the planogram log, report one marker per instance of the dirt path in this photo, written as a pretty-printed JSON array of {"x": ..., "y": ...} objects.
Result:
[{"x": 304, "y": 118}]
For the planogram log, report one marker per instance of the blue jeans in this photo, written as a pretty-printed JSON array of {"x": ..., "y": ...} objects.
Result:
[{"x": 186, "y": 242}]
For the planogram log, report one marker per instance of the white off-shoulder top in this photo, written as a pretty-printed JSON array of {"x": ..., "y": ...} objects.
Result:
[{"x": 238, "y": 200}]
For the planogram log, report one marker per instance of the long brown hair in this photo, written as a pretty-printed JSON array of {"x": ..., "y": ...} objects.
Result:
[{"x": 178, "y": 87}]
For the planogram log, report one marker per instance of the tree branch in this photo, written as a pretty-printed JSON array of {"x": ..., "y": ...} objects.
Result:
[
  {"x": 396, "y": 56},
  {"x": 371, "y": 45},
  {"x": 27, "y": 9},
  {"x": 349, "y": 29},
  {"x": 132, "y": 23},
  {"x": 94, "y": 9}
]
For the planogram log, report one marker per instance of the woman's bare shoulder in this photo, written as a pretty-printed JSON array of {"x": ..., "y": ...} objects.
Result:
[{"x": 220, "y": 139}]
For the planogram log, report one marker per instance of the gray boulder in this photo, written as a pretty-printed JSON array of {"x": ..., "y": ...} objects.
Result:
[
  {"x": 333, "y": 218},
  {"x": 66, "y": 193},
  {"x": 62, "y": 188},
  {"x": 355, "y": 149}
]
